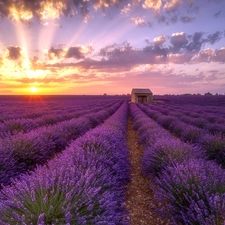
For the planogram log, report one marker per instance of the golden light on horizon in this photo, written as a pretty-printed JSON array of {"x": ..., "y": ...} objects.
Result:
[{"x": 33, "y": 89}]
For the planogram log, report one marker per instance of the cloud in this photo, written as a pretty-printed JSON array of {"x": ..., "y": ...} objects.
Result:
[
  {"x": 36, "y": 64},
  {"x": 79, "y": 52},
  {"x": 153, "y": 4},
  {"x": 45, "y": 80},
  {"x": 42, "y": 9},
  {"x": 140, "y": 22},
  {"x": 186, "y": 19},
  {"x": 10, "y": 85},
  {"x": 159, "y": 40},
  {"x": 25, "y": 10},
  {"x": 161, "y": 19},
  {"x": 206, "y": 55},
  {"x": 159, "y": 5},
  {"x": 14, "y": 52},
  {"x": 47, "y": 9},
  {"x": 155, "y": 54},
  {"x": 55, "y": 53},
  {"x": 117, "y": 58},
  {"x": 217, "y": 14},
  {"x": 183, "y": 48},
  {"x": 220, "y": 55},
  {"x": 155, "y": 76},
  {"x": 196, "y": 42},
  {"x": 6, "y": 91},
  {"x": 178, "y": 40},
  {"x": 74, "y": 52},
  {"x": 115, "y": 50},
  {"x": 210, "y": 55},
  {"x": 174, "y": 19},
  {"x": 1, "y": 61},
  {"x": 168, "y": 11},
  {"x": 212, "y": 38},
  {"x": 179, "y": 58},
  {"x": 171, "y": 6},
  {"x": 126, "y": 9}
]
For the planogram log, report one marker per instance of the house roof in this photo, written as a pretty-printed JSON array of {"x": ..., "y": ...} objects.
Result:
[{"x": 141, "y": 91}]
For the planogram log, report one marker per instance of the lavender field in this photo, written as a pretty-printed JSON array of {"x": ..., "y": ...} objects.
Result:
[{"x": 65, "y": 160}]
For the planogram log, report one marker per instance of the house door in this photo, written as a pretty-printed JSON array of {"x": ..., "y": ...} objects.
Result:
[{"x": 142, "y": 99}]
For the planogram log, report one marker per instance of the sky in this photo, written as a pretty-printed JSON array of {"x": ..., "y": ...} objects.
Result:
[{"x": 92, "y": 47}]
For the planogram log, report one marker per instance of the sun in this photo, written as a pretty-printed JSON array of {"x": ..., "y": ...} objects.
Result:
[{"x": 33, "y": 89}]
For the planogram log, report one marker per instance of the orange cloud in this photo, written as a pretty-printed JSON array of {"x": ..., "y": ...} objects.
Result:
[{"x": 153, "y": 4}]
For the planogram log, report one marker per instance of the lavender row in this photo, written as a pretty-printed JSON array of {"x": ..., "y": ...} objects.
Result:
[
  {"x": 23, "y": 152},
  {"x": 192, "y": 109},
  {"x": 208, "y": 121},
  {"x": 198, "y": 109},
  {"x": 85, "y": 184},
  {"x": 212, "y": 144},
  {"x": 204, "y": 100},
  {"x": 19, "y": 110},
  {"x": 185, "y": 131},
  {"x": 15, "y": 126},
  {"x": 31, "y": 109},
  {"x": 189, "y": 187},
  {"x": 168, "y": 149}
]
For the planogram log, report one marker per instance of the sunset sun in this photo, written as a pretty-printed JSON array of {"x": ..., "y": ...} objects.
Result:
[{"x": 33, "y": 89}]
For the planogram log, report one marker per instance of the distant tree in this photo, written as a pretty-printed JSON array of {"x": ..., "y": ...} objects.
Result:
[
  {"x": 187, "y": 94},
  {"x": 208, "y": 93}
]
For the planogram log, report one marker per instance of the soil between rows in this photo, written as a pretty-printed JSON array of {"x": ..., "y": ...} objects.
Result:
[{"x": 140, "y": 201}]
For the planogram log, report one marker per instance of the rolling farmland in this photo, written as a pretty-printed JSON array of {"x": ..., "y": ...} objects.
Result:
[{"x": 69, "y": 160}]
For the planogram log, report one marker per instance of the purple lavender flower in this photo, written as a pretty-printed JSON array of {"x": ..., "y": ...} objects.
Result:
[
  {"x": 214, "y": 147},
  {"x": 188, "y": 189},
  {"x": 165, "y": 152}
]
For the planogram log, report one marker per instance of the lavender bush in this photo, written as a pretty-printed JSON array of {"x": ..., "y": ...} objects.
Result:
[
  {"x": 165, "y": 121},
  {"x": 61, "y": 195},
  {"x": 149, "y": 138},
  {"x": 166, "y": 152},
  {"x": 191, "y": 133},
  {"x": 216, "y": 129},
  {"x": 193, "y": 192},
  {"x": 214, "y": 148}
]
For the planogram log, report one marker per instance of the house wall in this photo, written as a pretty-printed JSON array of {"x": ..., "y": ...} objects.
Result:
[{"x": 134, "y": 97}]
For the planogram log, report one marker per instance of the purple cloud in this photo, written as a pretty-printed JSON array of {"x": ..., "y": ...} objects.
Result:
[
  {"x": 212, "y": 38},
  {"x": 14, "y": 52},
  {"x": 196, "y": 42},
  {"x": 74, "y": 52},
  {"x": 178, "y": 41},
  {"x": 55, "y": 53},
  {"x": 217, "y": 14},
  {"x": 220, "y": 55},
  {"x": 186, "y": 19}
]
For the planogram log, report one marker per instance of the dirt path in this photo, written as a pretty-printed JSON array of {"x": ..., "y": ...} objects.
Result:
[{"x": 139, "y": 195}]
